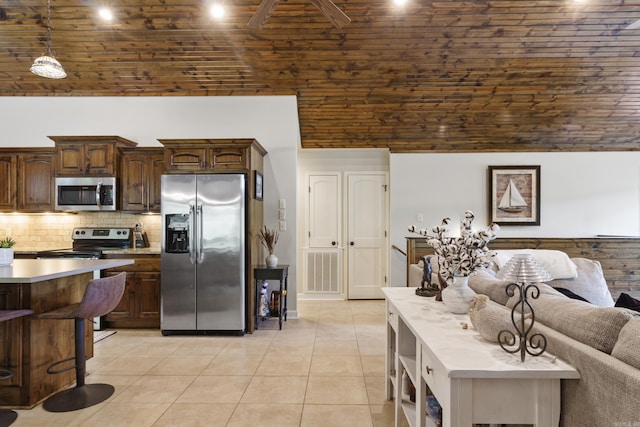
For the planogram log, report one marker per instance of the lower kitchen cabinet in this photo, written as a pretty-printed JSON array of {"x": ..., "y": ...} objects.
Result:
[{"x": 140, "y": 304}]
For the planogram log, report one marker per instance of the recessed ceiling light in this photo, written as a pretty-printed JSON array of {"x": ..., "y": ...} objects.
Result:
[
  {"x": 105, "y": 13},
  {"x": 217, "y": 11},
  {"x": 400, "y": 2}
]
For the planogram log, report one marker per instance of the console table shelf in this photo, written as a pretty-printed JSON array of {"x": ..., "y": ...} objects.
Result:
[{"x": 475, "y": 382}]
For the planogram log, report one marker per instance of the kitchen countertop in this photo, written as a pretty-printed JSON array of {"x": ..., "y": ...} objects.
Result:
[
  {"x": 38, "y": 270},
  {"x": 152, "y": 250}
]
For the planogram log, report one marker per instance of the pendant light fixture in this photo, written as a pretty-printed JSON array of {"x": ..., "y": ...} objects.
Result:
[{"x": 46, "y": 65}]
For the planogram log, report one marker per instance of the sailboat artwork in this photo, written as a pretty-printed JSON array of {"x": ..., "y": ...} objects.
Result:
[{"x": 512, "y": 201}]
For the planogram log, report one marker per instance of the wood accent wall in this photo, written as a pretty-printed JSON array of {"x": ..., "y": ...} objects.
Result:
[
  {"x": 449, "y": 76},
  {"x": 619, "y": 257}
]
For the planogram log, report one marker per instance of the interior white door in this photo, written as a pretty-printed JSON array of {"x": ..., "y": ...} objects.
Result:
[
  {"x": 367, "y": 235},
  {"x": 324, "y": 210}
]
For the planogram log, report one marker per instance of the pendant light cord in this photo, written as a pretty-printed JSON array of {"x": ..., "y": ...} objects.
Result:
[{"x": 49, "y": 28}]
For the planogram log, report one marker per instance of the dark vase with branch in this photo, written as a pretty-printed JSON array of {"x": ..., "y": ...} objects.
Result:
[{"x": 269, "y": 237}]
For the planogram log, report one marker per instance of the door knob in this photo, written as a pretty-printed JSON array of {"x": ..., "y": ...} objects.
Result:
[
  {"x": 351, "y": 243},
  {"x": 333, "y": 243}
]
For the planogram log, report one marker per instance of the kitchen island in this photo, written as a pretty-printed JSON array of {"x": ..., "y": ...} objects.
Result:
[{"x": 30, "y": 345}]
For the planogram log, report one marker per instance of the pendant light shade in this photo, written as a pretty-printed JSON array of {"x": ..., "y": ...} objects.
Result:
[{"x": 46, "y": 65}]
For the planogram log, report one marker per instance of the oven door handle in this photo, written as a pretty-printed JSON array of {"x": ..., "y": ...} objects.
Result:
[{"x": 98, "y": 188}]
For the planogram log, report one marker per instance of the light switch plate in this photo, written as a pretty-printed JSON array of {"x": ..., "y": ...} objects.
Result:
[
  {"x": 283, "y": 204},
  {"x": 282, "y": 214}
]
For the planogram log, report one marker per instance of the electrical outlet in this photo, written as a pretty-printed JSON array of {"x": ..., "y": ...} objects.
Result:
[
  {"x": 283, "y": 225},
  {"x": 420, "y": 217},
  {"x": 282, "y": 214}
]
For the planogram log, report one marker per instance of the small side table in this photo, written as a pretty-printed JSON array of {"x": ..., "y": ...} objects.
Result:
[{"x": 262, "y": 273}]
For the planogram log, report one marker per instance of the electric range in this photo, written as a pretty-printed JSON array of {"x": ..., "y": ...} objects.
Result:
[{"x": 90, "y": 242}]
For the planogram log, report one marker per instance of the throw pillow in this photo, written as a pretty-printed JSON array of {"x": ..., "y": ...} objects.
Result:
[
  {"x": 627, "y": 301},
  {"x": 626, "y": 348},
  {"x": 590, "y": 283},
  {"x": 570, "y": 294}
]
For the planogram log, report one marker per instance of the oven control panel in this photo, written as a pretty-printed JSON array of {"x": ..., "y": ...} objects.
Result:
[{"x": 95, "y": 233}]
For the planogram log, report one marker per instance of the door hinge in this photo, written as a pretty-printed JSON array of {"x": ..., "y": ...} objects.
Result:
[
  {"x": 309, "y": 234},
  {"x": 385, "y": 279},
  {"x": 309, "y": 189},
  {"x": 385, "y": 233}
]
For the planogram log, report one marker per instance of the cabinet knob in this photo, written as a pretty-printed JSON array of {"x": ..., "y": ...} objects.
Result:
[{"x": 428, "y": 369}]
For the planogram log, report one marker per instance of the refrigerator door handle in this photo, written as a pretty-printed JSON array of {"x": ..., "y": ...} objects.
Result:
[
  {"x": 192, "y": 234},
  {"x": 200, "y": 241}
]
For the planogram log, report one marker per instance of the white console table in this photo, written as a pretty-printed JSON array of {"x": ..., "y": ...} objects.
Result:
[{"x": 475, "y": 382}]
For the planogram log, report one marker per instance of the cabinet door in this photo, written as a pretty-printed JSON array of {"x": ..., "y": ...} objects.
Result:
[
  {"x": 229, "y": 158},
  {"x": 156, "y": 171},
  {"x": 135, "y": 182},
  {"x": 100, "y": 159},
  {"x": 8, "y": 182},
  {"x": 70, "y": 159},
  {"x": 148, "y": 295},
  {"x": 186, "y": 159},
  {"x": 35, "y": 182}
]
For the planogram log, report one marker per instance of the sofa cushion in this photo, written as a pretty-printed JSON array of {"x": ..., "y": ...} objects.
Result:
[
  {"x": 627, "y": 347},
  {"x": 484, "y": 281},
  {"x": 589, "y": 283},
  {"x": 597, "y": 327},
  {"x": 489, "y": 318}
]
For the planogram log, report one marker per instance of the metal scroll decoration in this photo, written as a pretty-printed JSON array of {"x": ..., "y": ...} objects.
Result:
[
  {"x": 523, "y": 271},
  {"x": 524, "y": 343}
]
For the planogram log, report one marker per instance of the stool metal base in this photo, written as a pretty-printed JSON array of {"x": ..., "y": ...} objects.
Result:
[
  {"x": 79, "y": 397},
  {"x": 7, "y": 417}
]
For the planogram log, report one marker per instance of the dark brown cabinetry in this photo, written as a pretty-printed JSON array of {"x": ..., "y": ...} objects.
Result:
[
  {"x": 209, "y": 155},
  {"x": 89, "y": 155},
  {"x": 140, "y": 304},
  {"x": 26, "y": 180},
  {"x": 140, "y": 177}
]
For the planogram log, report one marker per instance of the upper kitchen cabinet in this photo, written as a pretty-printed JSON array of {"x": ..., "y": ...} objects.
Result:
[
  {"x": 210, "y": 155},
  {"x": 26, "y": 178},
  {"x": 89, "y": 155},
  {"x": 140, "y": 177}
]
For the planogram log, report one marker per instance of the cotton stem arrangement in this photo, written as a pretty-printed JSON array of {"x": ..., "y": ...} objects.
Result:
[{"x": 460, "y": 256}]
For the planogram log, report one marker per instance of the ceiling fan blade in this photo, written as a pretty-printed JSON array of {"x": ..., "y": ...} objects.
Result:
[
  {"x": 262, "y": 14},
  {"x": 333, "y": 13}
]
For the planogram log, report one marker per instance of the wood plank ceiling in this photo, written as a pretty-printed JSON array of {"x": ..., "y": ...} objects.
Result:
[{"x": 466, "y": 76}]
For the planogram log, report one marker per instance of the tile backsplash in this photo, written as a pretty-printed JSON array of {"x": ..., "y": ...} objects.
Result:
[{"x": 53, "y": 231}]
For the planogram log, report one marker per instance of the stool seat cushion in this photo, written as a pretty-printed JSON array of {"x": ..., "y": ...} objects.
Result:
[
  {"x": 100, "y": 298},
  {"x": 12, "y": 314}
]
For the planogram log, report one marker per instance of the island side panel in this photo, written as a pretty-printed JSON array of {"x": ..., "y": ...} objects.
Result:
[{"x": 45, "y": 341}]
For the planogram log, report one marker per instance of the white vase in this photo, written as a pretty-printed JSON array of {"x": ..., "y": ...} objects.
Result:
[
  {"x": 272, "y": 261},
  {"x": 457, "y": 297},
  {"x": 6, "y": 256}
]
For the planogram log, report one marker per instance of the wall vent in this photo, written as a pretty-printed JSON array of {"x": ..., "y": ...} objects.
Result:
[{"x": 323, "y": 272}]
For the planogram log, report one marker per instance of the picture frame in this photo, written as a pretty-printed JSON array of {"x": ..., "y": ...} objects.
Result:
[
  {"x": 258, "y": 185},
  {"x": 514, "y": 195}
]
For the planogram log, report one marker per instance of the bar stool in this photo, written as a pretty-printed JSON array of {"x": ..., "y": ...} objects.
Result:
[
  {"x": 7, "y": 417},
  {"x": 100, "y": 298}
]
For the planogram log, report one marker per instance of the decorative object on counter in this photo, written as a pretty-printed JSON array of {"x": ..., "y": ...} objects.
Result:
[
  {"x": 140, "y": 239},
  {"x": 523, "y": 271},
  {"x": 431, "y": 289},
  {"x": 47, "y": 65},
  {"x": 6, "y": 251},
  {"x": 269, "y": 237},
  {"x": 458, "y": 257}
]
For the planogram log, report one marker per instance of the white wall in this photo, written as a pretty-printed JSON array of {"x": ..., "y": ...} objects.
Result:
[
  {"x": 582, "y": 194},
  {"x": 272, "y": 120}
]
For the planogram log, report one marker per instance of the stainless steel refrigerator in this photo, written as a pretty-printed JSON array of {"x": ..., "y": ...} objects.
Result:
[{"x": 203, "y": 256}]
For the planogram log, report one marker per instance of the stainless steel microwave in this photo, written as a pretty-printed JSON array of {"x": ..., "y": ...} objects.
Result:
[{"x": 83, "y": 193}]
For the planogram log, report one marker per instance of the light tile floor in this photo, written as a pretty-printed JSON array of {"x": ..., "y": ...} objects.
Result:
[{"x": 324, "y": 369}]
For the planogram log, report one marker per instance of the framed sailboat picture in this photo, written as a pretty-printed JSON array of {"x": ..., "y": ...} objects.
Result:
[{"x": 514, "y": 195}]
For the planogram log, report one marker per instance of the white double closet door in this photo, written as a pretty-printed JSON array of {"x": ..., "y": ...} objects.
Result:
[{"x": 352, "y": 219}]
